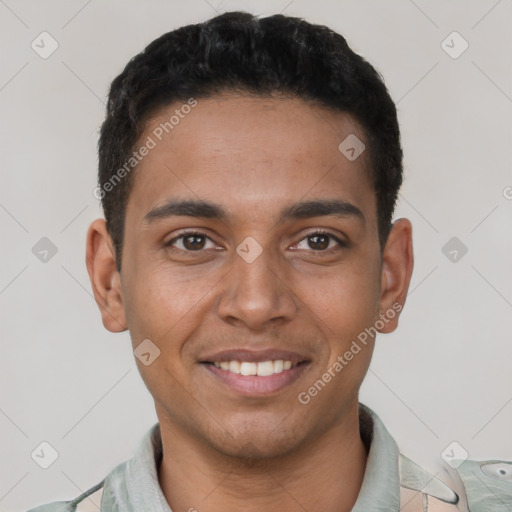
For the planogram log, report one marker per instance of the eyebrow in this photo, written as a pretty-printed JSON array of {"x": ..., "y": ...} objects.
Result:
[{"x": 209, "y": 210}]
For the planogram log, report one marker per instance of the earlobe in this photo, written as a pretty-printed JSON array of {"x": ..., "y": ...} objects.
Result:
[
  {"x": 104, "y": 277},
  {"x": 397, "y": 266}
]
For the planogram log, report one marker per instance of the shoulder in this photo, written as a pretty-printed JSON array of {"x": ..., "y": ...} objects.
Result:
[
  {"x": 487, "y": 483},
  {"x": 420, "y": 491},
  {"x": 116, "y": 485},
  {"x": 475, "y": 486},
  {"x": 89, "y": 501}
]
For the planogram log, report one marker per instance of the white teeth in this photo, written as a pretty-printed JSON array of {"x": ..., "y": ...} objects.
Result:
[
  {"x": 279, "y": 365},
  {"x": 248, "y": 368},
  {"x": 262, "y": 369},
  {"x": 234, "y": 366},
  {"x": 265, "y": 368}
]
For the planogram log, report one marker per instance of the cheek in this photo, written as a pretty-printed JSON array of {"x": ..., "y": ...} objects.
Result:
[
  {"x": 163, "y": 307},
  {"x": 347, "y": 304},
  {"x": 347, "y": 298},
  {"x": 164, "y": 304}
]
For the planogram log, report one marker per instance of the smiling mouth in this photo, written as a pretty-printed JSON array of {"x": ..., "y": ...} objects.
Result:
[
  {"x": 256, "y": 378},
  {"x": 260, "y": 369}
]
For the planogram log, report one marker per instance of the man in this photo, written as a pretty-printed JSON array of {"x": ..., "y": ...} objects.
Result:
[{"x": 248, "y": 171}]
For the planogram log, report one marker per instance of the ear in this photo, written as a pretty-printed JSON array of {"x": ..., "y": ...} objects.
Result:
[
  {"x": 105, "y": 279},
  {"x": 397, "y": 265}
]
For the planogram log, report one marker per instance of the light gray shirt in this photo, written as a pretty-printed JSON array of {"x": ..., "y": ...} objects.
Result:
[{"x": 391, "y": 482}]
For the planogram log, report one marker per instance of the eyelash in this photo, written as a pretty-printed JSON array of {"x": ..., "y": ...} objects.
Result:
[{"x": 186, "y": 234}]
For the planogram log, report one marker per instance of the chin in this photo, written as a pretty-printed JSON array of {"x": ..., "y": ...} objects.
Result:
[{"x": 253, "y": 445}]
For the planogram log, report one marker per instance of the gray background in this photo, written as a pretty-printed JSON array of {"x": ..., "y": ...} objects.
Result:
[{"x": 444, "y": 376}]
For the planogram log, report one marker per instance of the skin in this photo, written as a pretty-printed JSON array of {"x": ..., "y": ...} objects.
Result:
[{"x": 254, "y": 156}]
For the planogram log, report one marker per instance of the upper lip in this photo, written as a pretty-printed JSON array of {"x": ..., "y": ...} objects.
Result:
[{"x": 256, "y": 356}]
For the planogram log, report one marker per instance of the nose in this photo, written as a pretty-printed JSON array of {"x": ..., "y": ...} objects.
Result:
[{"x": 256, "y": 294}]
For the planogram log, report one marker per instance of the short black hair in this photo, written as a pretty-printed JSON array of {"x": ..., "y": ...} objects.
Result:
[{"x": 237, "y": 51}]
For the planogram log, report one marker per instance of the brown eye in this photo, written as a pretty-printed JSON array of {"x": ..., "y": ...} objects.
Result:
[
  {"x": 320, "y": 241},
  {"x": 191, "y": 241}
]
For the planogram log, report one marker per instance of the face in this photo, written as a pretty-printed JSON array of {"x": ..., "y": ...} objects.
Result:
[{"x": 273, "y": 257}]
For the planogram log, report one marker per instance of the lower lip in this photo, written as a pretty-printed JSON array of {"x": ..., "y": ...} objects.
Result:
[{"x": 253, "y": 385}]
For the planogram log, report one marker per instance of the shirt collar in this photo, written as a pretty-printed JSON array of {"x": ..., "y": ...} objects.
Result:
[
  {"x": 133, "y": 486},
  {"x": 380, "y": 491}
]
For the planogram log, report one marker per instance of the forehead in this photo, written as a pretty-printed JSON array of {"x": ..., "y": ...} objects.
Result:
[{"x": 251, "y": 154}]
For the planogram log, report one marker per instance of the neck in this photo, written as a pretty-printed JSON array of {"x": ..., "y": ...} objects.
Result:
[{"x": 326, "y": 474}]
